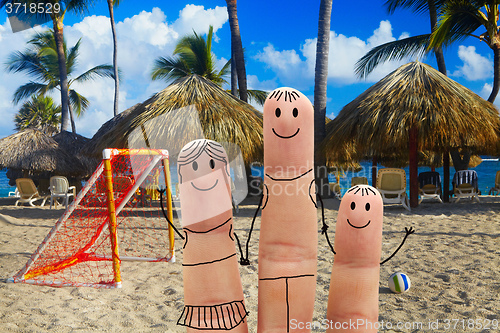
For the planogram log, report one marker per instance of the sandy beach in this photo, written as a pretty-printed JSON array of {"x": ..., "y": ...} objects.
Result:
[{"x": 453, "y": 261}]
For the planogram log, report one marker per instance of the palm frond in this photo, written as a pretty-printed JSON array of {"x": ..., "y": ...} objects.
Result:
[
  {"x": 27, "y": 90},
  {"x": 458, "y": 20},
  {"x": 396, "y": 50},
  {"x": 96, "y": 72},
  {"x": 416, "y": 6},
  {"x": 259, "y": 96},
  {"x": 71, "y": 57},
  {"x": 169, "y": 68},
  {"x": 79, "y": 103}
]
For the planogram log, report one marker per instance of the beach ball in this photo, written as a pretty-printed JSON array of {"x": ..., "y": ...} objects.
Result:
[{"x": 399, "y": 283}]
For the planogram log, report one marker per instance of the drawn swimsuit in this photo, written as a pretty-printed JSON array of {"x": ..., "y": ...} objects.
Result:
[
  {"x": 229, "y": 315},
  {"x": 272, "y": 181}
]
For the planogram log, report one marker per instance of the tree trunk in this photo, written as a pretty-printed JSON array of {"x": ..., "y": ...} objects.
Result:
[
  {"x": 63, "y": 74},
  {"x": 72, "y": 118},
  {"x": 320, "y": 86},
  {"x": 496, "y": 72},
  {"x": 234, "y": 75},
  {"x": 460, "y": 160},
  {"x": 374, "y": 171},
  {"x": 237, "y": 49},
  {"x": 115, "y": 57},
  {"x": 438, "y": 51}
]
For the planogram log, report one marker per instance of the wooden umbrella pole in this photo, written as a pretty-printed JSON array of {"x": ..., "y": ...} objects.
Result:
[
  {"x": 446, "y": 176},
  {"x": 413, "y": 147}
]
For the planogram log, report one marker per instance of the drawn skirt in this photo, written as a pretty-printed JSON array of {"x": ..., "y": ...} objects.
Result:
[{"x": 224, "y": 316}]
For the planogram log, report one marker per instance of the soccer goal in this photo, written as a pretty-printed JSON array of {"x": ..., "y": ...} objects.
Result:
[{"x": 115, "y": 217}]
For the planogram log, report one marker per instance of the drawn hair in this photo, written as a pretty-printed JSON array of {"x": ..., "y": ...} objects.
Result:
[
  {"x": 286, "y": 95},
  {"x": 190, "y": 153},
  {"x": 362, "y": 189}
]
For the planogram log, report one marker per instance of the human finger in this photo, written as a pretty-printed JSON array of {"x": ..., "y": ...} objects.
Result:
[
  {"x": 354, "y": 285},
  {"x": 213, "y": 294},
  {"x": 288, "y": 234}
]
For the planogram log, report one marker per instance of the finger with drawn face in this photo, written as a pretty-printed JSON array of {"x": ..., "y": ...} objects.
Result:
[
  {"x": 288, "y": 235},
  {"x": 213, "y": 293},
  {"x": 355, "y": 274}
]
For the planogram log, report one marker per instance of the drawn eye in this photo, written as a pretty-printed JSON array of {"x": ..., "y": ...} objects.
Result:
[
  {"x": 295, "y": 112},
  {"x": 212, "y": 164},
  {"x": 195, "y": 166},
  {"x": 277, "y": 112},
  {"x": 353, "y": 205},
  {"x": 367, "y": 206}
]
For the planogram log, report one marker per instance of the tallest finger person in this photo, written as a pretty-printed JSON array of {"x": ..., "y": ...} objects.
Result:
[{"x": 288, "y": 235}]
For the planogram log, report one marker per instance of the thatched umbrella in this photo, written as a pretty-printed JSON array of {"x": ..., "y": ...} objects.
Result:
[
  {"x": 413, "y": 108},
  {"x": 188, "y": 109},
  {"x": 32, "y": 152}
]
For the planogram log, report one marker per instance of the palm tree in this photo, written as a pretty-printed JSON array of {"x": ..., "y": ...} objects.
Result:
[
  {"x": 406, "y": 47},
  {"x": 320, "y": 84},
  {"x": 193, "y": 55},
  {"x": 238, "y": 63},
  {"x": 461, "y": 18},
  {"x": 39, "y": 112},
  {"x": 40, "y": 60},
  {"x": 112, "y": 3},
  {"x": 57, "y": 18}
]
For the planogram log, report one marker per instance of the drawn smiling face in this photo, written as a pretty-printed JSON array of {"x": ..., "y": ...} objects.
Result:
[
  {"x": 359, "y": 220},
  {"x": 204, "y": 183},
  {"x": 288, "y": 127},
  {"x": 361, "y": 199}
]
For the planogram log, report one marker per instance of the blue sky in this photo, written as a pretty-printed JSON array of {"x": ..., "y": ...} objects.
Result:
[{"x": 279, "y": 38}]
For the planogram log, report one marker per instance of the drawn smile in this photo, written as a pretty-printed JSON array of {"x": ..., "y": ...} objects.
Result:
[
  {"x": 358, "y": 227},
  {"x": 205, "y": 189},
  {"x": 286, "y": 137}
]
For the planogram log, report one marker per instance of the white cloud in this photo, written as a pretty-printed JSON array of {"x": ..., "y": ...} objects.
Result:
[
  {"x": 475, "y": 67},
  {"x": 294, "y": 68},
  {"x": 198, "y": 18}
]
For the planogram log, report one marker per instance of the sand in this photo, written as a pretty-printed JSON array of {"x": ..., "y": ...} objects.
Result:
[{"x": 453, "y": 261}]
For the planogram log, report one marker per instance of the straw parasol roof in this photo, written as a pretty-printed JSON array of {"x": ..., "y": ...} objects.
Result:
[
  {"x": 413, "y": 101},
  {"x": 188, "y": 109},
  {"x": 446, "y": 114},
  {"x": 33, "y": 151}
]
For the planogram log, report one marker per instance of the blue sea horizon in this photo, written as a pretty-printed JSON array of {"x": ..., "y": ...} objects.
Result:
[{"x": 486, "y": 175}]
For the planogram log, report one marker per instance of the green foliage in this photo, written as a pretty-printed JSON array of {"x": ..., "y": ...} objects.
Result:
[
  {"x": 39, "y": 61},
  {"x": 41, "y": 113}
]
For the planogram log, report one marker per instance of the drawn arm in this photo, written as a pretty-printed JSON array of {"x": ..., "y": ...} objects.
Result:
[
  {"x": 408, "y": 232},
  {"x": 165, "y": 214},
  {"x": 325, "y": 226},
  {"x": 244, "y": 259}
]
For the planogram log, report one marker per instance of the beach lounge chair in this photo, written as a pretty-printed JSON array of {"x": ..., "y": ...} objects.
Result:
[
  {"x": 359, "y": 181},
  {"x": 391, "y": 183},
  {"x": 465, "y": 185},
  {"x": 429, "y": 184},
  {"x": 335, "y": 189},
  {"x": 496, "y": 188},
  {"x": 59, "y": 188},
  {"x": 14, "y": 193},
  {"x": 28, "y": 192}
]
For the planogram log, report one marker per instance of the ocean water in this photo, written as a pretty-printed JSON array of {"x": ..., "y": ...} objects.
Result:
[{"x": 486, "y": 173}]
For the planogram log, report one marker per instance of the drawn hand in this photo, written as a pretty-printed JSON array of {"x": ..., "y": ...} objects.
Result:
[{"x": 409, "y": 231}]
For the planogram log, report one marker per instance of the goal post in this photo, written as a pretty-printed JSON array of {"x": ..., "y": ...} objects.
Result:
[{"x": 109, "y": 221}]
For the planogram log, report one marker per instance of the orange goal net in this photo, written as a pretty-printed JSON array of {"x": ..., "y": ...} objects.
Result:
[{"x": 115, "y": 217}]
